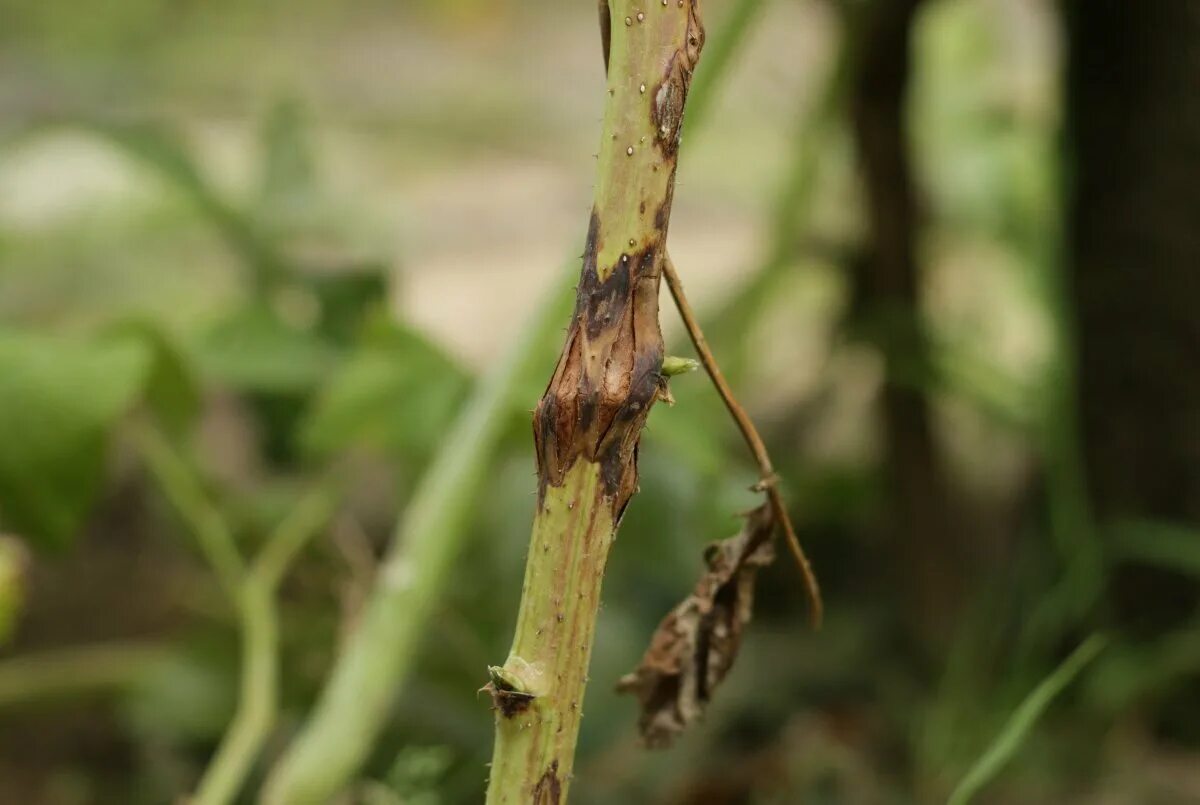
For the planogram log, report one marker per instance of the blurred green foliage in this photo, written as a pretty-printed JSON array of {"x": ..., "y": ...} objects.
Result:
[
  {"x": 228, "y": 290},
  {"x": 60, "y": 401}
]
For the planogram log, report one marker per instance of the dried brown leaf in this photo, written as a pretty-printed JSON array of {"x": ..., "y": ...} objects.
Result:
[{"x": 697, "y": 643}]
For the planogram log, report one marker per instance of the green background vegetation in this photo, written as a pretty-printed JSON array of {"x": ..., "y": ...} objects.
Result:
[{"x": 259, "y": 257}]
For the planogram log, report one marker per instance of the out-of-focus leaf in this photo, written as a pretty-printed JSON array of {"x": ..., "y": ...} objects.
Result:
[
  {"x": 58, "y": 400},
  {"x": 694, "y": 427},
  {"x": 288, "y": 163},
  {"x": 163, "y": 150},
  {"x": 187, "y": 695},
  {"x": 1172, "y": 547},
  {"x": 312, "y": 234},
  {"x": 1134, "y": 672},
  {"x": 255, "y": 350},
  {"x": 417, "y": 772},
  {"x": 347, "y": 298},
  {"x": 172, "y": 389},
  {"x": 397, "y": 393}
]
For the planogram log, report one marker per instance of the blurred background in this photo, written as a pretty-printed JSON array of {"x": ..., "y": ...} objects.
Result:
[{"x": 257, "y": 260}]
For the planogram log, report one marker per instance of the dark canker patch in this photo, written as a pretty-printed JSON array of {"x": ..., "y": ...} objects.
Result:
[
  {"x": 548, "y": 790},
  {"x": 666, "y": 112},
  {"x": 604, "y": 302},
  {"x": 608, "y": 375},
  {"x": 507, "y": 701}
]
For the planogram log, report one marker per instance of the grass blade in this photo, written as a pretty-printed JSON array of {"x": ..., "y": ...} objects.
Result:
[{"x": 1023, "y": 719}]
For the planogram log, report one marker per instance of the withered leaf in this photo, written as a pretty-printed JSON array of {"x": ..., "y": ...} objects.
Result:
[{"x": 697, "y": 642}]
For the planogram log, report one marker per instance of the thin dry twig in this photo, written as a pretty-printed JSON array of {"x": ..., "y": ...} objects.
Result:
[{"x": 768, "y": 481}]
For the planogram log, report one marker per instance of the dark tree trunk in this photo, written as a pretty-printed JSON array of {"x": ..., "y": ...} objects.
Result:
[
  {"x": 1133, "y": 95},
  {"x": 1134, "y": 107},
  {"x": 889, "y": 306}
]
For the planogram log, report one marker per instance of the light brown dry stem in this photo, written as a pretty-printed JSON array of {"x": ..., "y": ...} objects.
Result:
[{"x": 768, "y": 481}]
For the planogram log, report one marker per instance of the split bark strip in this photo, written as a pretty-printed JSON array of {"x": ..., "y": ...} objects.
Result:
[
  {"x": 589, "y": 422},
  {"x": 769, "y": 481}
]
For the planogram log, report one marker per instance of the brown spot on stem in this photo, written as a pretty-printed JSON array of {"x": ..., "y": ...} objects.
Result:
[
  {"x": 605, "y": 31},
  {"x": 695, "y": 36},
  {"x": 506, "y": 701},
  {"x": 608, "y": 375},
  {"x": 670, "y": 94},
  {"x": 548, "y": 790},
  {"x": 666, "y": 113},
  {"x": 662, "y": 216}
]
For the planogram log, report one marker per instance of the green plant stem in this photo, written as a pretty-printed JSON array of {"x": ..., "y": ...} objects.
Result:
[
  {"x": 253, "y": 594},
  {"x": 1022, "y": 721},
  {"x": 589, "y": 422},
  {"x": 357, "y": 698},
  {"x": 371, "y": 670},
  {"x": 258, "y": 697},
  {"x": 304, "y": 522},
  {"x": 67, "y": 673},
  {"x": 201, "y": 517},
  {"x": 539, "y": 690}
]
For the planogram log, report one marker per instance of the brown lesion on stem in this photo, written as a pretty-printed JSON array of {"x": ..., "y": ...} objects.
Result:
[
  {"x": 508, "y": 703},
  {"x": 605, "y": 31},
  {"x": 507, "y": 700},
  {"x": 548, "y": 790},
  {"x": 670, "y": 95},
  {"x": 608, "y": 375}
]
